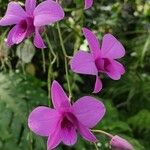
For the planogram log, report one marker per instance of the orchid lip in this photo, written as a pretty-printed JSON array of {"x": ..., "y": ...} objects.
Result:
[
  {"x": 31, "y": 27},
  {"x": 68, "y": 120},
  {"x": 68, "y": 117},
  {"x": 66, "y": 123},
  {"x": 26, "y": 24},
  {"x": 101, "y": 64},
  {"x": 23, "y": 24}
]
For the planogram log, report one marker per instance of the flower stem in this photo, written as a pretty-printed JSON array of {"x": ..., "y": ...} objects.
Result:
[
  {"x": 103, "y": 132},
  {"x": 96, "y": 147},
  {"x": 51, "y": 49},
  {"x": 23, "y": 67},
  {"x": 49, "y": 77},
  {"x": 43, "y": 58},
  {"x": 65, "y": 57},
  {"x": 51, "y": 62}
]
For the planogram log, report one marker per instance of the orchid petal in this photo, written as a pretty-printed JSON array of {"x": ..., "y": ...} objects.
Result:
[
  {"x": 10, "y": 36},
  {"x": 86, "y": 133},
  {"x": 59, "y": 97},
  {"x": 111, "y": 47},
  {"x": 20, "y": 32},
  {"x": 115, "y": 70},
  {"x": 119, "y": 67},
  {"x": 82, "y": 62},
  {"x": 98, "y": 85},
  {"x": 47, "y": 12},
  {"x": 93, "y": 42},
  {"x": 16, "y": 34},
  {"x": 38, "y": 41},
  {"x": 88, "y": 4},
  {"x": 69, "y": 136},
  {"x": 30, "y": 6},
  {"x": 43, "y": 120},
  {"x": 89, "y": 111},
  {"x": 14, "y": 14},
  {"x": 54, "y": 139}
]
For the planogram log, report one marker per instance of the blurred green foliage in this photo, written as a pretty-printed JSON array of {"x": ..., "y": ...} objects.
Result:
[{"x": 24, "y": 73}]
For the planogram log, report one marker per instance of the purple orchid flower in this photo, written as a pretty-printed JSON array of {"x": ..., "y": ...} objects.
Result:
[
  {"x": 101, "y": 60},
  {"x": 62, "y": 123},
  {"x": 31, "y": 20},
  {"x": 88, "y": 4}
]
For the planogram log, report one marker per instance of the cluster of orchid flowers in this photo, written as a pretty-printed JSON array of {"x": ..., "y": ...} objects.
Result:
[{"x": 62, "y": 123}]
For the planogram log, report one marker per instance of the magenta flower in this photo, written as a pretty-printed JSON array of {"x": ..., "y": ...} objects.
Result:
[
  {"x": 118, "y": 143},
  {"x": 101, "y": 60},
  {"x": 31, "y": 20},
  {"x": 88, "y": 4},
  {"x": 62, "y": 123}
]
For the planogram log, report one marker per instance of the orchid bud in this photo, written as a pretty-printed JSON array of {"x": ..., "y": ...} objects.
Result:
[{"x": 118, "y": 143}]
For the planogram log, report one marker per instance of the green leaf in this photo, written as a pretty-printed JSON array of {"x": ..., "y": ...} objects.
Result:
[
  {"x": 19, "y": 94},
  {"x": 25, "y": 51},
  {"x": 141, "y": 121}
]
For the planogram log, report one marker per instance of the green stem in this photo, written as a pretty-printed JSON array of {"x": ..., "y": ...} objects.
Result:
[
  {"x": 145, "y": 49},
  {"x": 65, "y": 57},
  {"x": 23, "y": 67},
  {"x": 103, "y": 132},
  {"x": 3, "y": 65},
  {"x": 49, "y": 78},
  {"x": 51, "y": 62},
  {"x": 61, "y": 40},
  {"x": 51, "y": 49},
  {"x": 43, "y": 58},
  {"x": 31, "y": 140},
  {"x": 29, "y": 135},
  {"x": 96, "y": 147}
]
